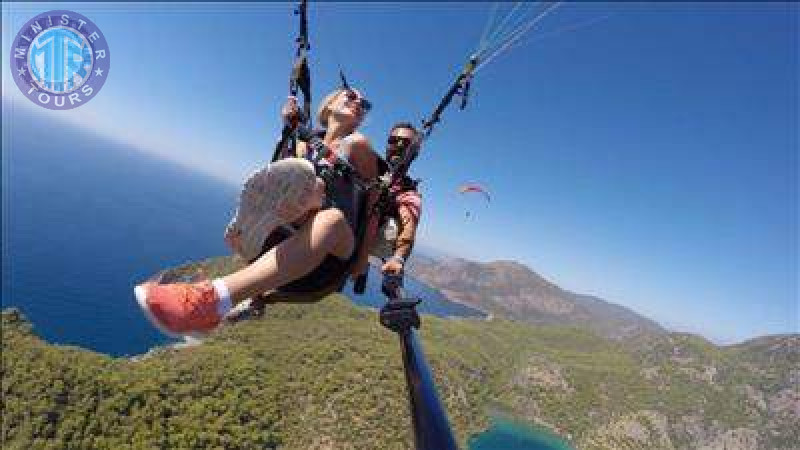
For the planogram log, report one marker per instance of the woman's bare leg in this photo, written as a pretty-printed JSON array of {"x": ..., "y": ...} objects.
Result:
[{"x": 327, "y": 232}]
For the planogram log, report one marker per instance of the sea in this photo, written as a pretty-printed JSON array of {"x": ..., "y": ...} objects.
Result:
[
  {"x": 508, "y": 434},
  {"x": 85, "y": 218}
]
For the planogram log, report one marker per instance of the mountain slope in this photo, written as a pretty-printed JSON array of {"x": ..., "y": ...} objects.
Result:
[{"x": 511, "y": 290}]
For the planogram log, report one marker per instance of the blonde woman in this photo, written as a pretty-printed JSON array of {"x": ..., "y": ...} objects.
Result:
[{"x": 318, "y": 254}]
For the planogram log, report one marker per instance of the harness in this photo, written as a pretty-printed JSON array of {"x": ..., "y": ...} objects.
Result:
[
  {"x": 346, "y": 191},
  {"x": 344, "y": 188},
  {"x": 395, "y": 179},
  {"x": 391, "y": 187}
]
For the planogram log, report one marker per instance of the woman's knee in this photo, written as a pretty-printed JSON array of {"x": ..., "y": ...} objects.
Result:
[
  {"x": 330, "y": 228},
  {"x": 329, "y": 218}
]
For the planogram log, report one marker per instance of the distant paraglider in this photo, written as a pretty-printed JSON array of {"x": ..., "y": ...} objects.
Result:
[{"x": 474, "y": 188}]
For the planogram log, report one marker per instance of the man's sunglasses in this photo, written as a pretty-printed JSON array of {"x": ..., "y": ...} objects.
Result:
[
  {"x": 364, "y": 103},
  {"x": 399, "y": 141}
]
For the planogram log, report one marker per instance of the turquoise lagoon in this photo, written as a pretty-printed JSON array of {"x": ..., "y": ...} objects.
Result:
[{"x": 508, "y": 434}]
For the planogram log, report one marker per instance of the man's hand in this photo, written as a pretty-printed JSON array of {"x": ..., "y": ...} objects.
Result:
[{"x": 393, "y": 266}]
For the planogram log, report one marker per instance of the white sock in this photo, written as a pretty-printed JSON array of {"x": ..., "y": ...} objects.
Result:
[{"x": 224, "y": 295}]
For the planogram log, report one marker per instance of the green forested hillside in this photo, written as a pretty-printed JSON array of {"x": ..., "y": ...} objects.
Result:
[{"x": 327, "y": 375}]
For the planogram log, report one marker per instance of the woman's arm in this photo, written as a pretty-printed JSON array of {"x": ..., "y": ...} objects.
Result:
[{"x": 358, "y": 150}]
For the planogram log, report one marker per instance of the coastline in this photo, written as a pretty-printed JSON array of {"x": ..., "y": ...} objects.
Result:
[
  {"x": 448, "y": 294},
  {"x": 508, "y": 430}
]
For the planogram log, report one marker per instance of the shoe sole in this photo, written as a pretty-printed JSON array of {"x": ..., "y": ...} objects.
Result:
[
  {"x": 141, "y": 298},
  {"x": 286, "y": 182}
]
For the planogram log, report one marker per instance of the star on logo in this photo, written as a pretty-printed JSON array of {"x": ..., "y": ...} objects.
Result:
[
  {"x": 98, "y": 72},
  {"x": 21, "y": 71}
]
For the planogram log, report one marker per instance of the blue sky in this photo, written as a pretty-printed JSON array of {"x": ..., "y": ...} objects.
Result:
[{"x": 649, "y": 158}]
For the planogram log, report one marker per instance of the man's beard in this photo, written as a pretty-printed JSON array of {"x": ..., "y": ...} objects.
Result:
[{"x": 394, "y": 158}]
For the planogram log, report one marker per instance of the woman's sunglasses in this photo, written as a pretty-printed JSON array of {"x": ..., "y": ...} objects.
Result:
[{"x": 364, "y": 103}]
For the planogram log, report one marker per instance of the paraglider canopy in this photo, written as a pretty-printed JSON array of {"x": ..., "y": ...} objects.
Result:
[{"x": 474, "y": 189}]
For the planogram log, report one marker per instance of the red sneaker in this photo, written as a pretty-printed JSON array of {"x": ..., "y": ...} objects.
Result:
[{"x": 180, "y": 309}]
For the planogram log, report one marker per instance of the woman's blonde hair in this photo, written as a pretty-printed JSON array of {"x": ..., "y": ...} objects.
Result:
[{"x": 324, "y": 107}]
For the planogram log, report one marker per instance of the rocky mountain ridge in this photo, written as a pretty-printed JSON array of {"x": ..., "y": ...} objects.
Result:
[{"x": 511, "y": 290}]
